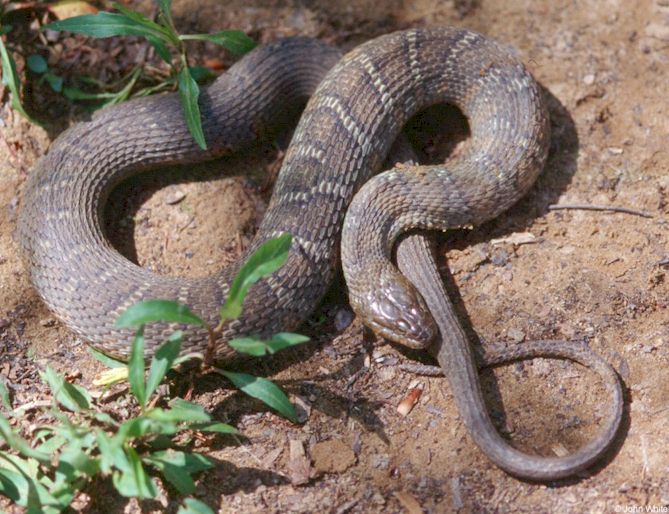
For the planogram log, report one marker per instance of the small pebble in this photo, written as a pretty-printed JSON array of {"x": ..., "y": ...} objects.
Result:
[
  {"x": 500, "y": 257},
  {"x": 589, "y": 79},
  {"x": 343, "y": 319},
  {"x": 175, "y": 198},
  {"x": 517, "y": 336},
  {"x": 614, "y": 150},
  {"x": 381, "y": 461}
]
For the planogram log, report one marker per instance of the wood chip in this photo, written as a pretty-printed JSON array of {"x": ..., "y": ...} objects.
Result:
[
  {"x": 408, "y": 502},
  {"x": 299, "y": 467},
  {"x": 516, "y": 239},
  {"x": 410, "y": 400},
  {"x": 560, "y": 450},
  {"x": 271, "y": 457}
]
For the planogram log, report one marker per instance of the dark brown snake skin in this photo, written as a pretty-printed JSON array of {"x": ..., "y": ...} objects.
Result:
[{"x": 345, "y": 133}]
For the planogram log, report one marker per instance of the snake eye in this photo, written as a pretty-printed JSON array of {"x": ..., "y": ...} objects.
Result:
[{"x": 398, "y": 312}]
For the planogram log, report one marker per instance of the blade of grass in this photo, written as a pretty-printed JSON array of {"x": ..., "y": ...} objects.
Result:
[
  {"x": 149, "y": 311},
  {"x": 10, "y": 79},
  {"x": 162, "y": 362},
  {"x": 136, "y": 368},
  {"x": 106, "y": 24},
  {"x": 189, "y": 93},
  {"x": 264, "y": 390},
  {"x": 259, "y": 347},
  {"x": 269, "y": 257},
  {"x": 235, "y": 41}
]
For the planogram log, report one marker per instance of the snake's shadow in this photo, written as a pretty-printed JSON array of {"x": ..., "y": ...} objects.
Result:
[{"x": 558, "y": 173}]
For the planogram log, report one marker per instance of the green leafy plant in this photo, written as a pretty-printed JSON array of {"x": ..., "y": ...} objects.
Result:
[
  {"x": 10, "y": 77},
  {"x": 83, "y": 440},
  {"x": 169, "y": 45},
  {"x": 268, "y": 258}
]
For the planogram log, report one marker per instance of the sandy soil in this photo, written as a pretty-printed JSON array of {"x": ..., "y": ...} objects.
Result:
[{"x": 592, "y": 276}]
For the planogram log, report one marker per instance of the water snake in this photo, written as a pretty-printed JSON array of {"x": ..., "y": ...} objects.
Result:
[{"x": 355, "y": 113}]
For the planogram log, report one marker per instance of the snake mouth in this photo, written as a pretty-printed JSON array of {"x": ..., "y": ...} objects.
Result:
[{"x": 396, "y": 311}]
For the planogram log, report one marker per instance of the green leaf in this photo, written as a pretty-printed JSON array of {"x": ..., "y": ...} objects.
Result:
[
  {"x": 162, "y": 50},
  {"x": 51, "y": 445},
  {"x": 180, "y": 411},
  {"x": 165, "y": 7},
  {"x": 201, "y": 73},
  {"x": 189, "y": 93},
  {"x": 105, "y": 419},
  {"x": 264, "y": 390},
  {"x": 258, "y": 347},
  {"x": 124, "y": 93},
  {"x": 269, "y": 257},
  {"x": 220, "y": 428},
  {"x": 10, "y": 79},
  {"x": 14, "y": 485},
  {"x": 74, "y": 461},
  {"x": 177, "y": 467},
  {"x": 54, "y": 81},
  {"x": 148, "y": 311},
  {"x": 4, "y": 395},
  {"x": 111, "y": 452},
  {"x": 162, "y": 362},
  {"x": 105, "y": 359},
  {"x": 136, "y": 368},
  {"x": 106, "y": 24},
  {"x": 188, "y": 357},
  {"x": 133, "y": 481},
  {"x": 71, "y": 396},
  {"x": 74, "y": 94},
  {"x": 37, "y": 63},
  {"x": 178, "y": 478},
  {"x": 233, "y": 40},
  {"x": 144, "y": 425},
  {"x": 191, "y": 462},
  {"x": 193, "y": 506}
]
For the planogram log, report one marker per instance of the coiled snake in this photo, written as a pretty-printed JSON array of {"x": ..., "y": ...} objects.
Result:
[{"x": 356, "y": 111}]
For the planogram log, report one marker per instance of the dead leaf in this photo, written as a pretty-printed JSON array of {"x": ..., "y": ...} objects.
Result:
[
  {"x": 71, "y": 8},
  {"x": 517, "y": 239}
]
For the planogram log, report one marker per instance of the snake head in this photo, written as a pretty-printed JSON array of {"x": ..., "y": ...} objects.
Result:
[{"x": 396, "y": 311}]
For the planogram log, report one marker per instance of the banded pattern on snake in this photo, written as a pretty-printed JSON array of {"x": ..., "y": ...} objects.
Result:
[{"x": 356, "y": 111}]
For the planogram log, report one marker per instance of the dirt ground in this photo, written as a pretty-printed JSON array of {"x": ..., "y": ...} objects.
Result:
[{"x": 595, "y": 276}]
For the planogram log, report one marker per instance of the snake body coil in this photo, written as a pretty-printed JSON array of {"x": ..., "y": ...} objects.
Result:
[
  {"x": 356, "y": 112},
  {"x": 342, "y": 139}
]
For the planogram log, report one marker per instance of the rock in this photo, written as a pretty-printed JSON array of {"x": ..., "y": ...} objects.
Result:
[
  {"x": 343, "y": 319},
  {"x": 517, "y": 336},
  {"x": 175, "y": 198},
  {"x": 589, "y": 79},
  {"x": 332, "y": 456}
]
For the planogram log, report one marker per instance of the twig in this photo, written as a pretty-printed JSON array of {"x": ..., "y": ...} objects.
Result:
[{"x": 588, "y": 207}]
